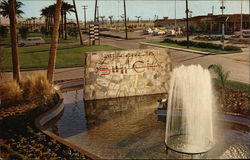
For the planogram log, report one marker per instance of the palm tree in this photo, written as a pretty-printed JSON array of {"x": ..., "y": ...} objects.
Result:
[
  {"x": 221, "y": 74},
  {"x": 11, "y": 9},
  {"x": 5, "y": 8},
  {"x": 54, "y": 42},
  {"x": 66, "y": 8},
  {"x": 222, "y": 77},
  {"x": 110, "y": 19}
]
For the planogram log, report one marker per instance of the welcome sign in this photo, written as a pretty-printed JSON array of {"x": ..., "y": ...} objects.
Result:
[{"x": 115, "y": 74}]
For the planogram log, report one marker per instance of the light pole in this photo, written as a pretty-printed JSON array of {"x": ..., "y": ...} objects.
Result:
[
  {"x": 223, "y": 31},
  {"x": 241, "y": 34},
  {"x": 175, "y": 16},
  {"x": 125, "y": 19},
  {"x": 187, "y": 25},
  {"x": 85, "y": 21}
]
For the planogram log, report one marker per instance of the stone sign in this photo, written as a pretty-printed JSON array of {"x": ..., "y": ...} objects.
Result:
[{"x": 115, "y": 74}]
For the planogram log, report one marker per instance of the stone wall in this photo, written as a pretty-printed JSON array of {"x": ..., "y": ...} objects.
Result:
[{"x": 115, "y": 74}]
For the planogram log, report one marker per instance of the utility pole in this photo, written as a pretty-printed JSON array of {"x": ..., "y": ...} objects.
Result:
[
  {"x": 212, "y": 10},
  {"x": 78, "y": 25},
  {"x": 175, "y": 27},
  {"x": 223, "y": 31},
  {"x": 85, "y": 21},
  {"x": 125, "y": 19},
  {"x": 95, "y": 11},
  {"x": 187, "y": 25},
  {"x": 241, "y": 19}
]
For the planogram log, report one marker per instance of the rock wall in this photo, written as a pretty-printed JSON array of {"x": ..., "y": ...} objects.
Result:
[{"x": 115, "y": 74}]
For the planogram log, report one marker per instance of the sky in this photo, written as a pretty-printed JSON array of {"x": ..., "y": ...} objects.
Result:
[{"x": 144, "y": 8}]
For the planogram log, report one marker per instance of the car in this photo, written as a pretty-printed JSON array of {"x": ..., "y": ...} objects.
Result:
[
  {"x": 31, "y": 41},
  {"x": 245, "y": 33}
]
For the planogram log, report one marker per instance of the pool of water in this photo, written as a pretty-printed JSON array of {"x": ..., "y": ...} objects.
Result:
[{"x": 129, "y": 128}]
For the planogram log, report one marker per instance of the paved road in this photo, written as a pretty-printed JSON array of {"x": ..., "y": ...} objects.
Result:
[{"x": 237, "y": 64}]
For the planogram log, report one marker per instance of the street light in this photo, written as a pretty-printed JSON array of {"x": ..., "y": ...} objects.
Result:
[
  {"x": 187, "y": 25},
  {"x": 223, "y": 32}
]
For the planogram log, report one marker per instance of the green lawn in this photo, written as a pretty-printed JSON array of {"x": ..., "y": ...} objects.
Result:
[
  {"x": 192, "y": 48},
  {"x": 243, "y": 87},
  {"x": 46, "y": 38},
  {"x": 37, "y": 56}
]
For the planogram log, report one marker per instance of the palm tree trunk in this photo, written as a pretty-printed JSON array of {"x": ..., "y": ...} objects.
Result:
[
  {"x": 54, "y": 42},
  {"x": 65, "y": 26},
  {"x": 78, "y": 25},
  {"x": 13, "y": 34},
  {"x": 62, "y": 29}
]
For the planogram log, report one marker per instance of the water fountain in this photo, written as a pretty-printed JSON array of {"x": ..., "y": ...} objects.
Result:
[{"x": 189, "y": 125}]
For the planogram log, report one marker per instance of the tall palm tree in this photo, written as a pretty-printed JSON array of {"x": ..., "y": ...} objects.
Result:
[
  {"x": 5, "y": 8},
  {"x": 11, "y": 9},
  {"x": 66, "y": 8},
  {"x": 54, "y": 42}
]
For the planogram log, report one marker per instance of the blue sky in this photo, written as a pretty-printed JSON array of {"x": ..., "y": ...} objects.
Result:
[{"x": 147, "y": 8}]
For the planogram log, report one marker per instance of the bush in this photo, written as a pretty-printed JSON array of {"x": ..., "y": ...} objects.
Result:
[
  {"x": 10, "y": 93},
  {"x": 37, "y": 89},
  {"x": 24, "y": 31},
  {"x": 73, "y": 31},
  {"x": 4, "y": 31},
  {"x": 33, "y": 89},
  {"x": 202, "y": 45}
]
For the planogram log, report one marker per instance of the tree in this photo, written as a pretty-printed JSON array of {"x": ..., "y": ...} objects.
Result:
[
  {"x": 221, "y": 74},
  {"x": 73, "y": 31},
  {"x": 54, "y": 42},
  {"x": 192, "y": 29},
  {"x": 3, "y": 31},
  {"x": 14, "y": 44},
  {"x": 24, "y": 31},
  {"x": 66, "y": 8},
  {"x": 5, "y": 8}
]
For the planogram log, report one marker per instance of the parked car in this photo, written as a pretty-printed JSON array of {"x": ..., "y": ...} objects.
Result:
[
  {"x": 245, "y": 33},
  {"x": 147, "y": 31},
  {"x": 31, "y": 41},
  {"x": 157, "y": 33}
]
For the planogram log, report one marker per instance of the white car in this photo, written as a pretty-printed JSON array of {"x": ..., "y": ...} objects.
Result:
[
  {"x": 156, "y": 33},
  {"x": 31, "y": 41},
  {"x": 245, "y": 33}
]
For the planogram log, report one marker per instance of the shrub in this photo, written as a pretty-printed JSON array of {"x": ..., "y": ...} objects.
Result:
[
  {"x": 202, "y": 45},
  {"x": 73, "y": 32},
  {"x": 10, "y": 93},
  {"x": 24, "y": 31},
  {"x": 37, "y": 89}
]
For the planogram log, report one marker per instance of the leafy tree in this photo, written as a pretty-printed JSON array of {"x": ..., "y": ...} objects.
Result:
[
  {"x": 24, "y": 31},
  {"x": 203, "y": 26},
  {"x": 192, "y": 29},
  {"x": 3, "y": 31},
  {"x": 222, "y": 75},
  {"x": 5, "y": 8},
  {"x": 73, "y": 31}
]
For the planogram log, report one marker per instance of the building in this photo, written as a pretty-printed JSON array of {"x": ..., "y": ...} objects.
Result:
[{"x": 209, "y": 23}]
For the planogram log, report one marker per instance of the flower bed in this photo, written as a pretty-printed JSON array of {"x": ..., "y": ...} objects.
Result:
[{"x": 20, "y": 138}]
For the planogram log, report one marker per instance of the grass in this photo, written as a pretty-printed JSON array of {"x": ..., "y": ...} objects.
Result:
[
  {"x": 243, "y": 87},
  {"x": 37, "y": 56},
  {"x": 192, "y": 48},
  {"x": 46, "y": 38}
]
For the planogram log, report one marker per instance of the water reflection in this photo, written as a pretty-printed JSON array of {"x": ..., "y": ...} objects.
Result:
[{"x": 129, "y": 128}]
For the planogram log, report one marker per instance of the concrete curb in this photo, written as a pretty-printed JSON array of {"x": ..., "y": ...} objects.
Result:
[
  {"x": 51, "y": 114},
  {"x": 185, "y": 50}
]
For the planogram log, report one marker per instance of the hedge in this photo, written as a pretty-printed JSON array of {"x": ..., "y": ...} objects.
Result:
[{"x": 203, "y": 45}]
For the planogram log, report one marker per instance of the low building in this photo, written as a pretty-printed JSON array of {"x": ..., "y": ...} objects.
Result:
[{"x": 209, "y": 23}]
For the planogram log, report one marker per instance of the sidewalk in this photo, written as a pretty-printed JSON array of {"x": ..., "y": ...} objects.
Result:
[{"x": 60, "y": 74}]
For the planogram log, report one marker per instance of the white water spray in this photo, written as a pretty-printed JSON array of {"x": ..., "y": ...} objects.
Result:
[{"x": 189, "y": 127}]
